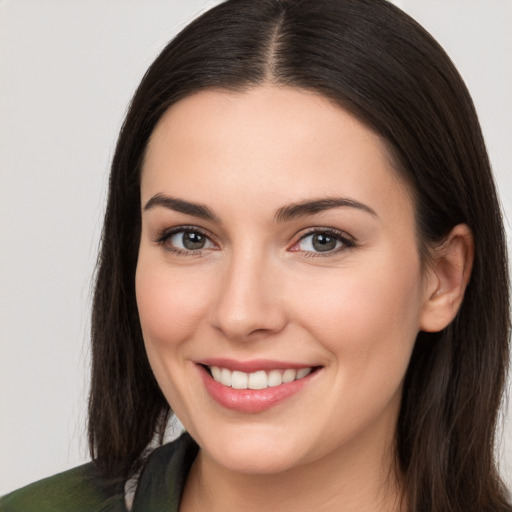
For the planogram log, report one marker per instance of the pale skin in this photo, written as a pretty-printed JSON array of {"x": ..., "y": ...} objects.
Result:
[{"x": 261, "y": 287}]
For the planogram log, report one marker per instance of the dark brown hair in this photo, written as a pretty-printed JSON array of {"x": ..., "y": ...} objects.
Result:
[{"x": 380, "y": 65}]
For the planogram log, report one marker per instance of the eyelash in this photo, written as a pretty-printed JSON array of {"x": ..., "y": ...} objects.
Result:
[
  {"x": 347, "y": 241},
  {"x": 166, "y": 234}
]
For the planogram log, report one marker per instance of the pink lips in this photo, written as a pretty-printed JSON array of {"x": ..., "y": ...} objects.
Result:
[
  {"x": 250, "y": 400},
  {"x": 251, "y": 366}
]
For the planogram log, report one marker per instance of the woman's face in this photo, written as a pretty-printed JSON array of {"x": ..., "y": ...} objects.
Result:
[{"x": 279, "y": 284}]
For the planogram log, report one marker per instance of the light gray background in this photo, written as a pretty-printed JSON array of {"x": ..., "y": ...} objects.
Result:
[{"x": 67, "y": 72}]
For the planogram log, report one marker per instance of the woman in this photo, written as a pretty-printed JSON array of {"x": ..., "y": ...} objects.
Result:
[{"x": 303, "y": 257}]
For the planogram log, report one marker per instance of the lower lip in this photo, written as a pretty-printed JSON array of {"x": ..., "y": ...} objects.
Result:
[{"x": 251, "y": 400}]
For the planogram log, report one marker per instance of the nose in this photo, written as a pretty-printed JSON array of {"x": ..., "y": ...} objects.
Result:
[{"x": 248, "y": 303}]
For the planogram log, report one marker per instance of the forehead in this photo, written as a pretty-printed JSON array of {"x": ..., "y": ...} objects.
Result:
[{"x": 294, "y": 143}]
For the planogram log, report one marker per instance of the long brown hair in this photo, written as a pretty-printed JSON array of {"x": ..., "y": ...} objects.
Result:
[{"x": 379, "y": 64}]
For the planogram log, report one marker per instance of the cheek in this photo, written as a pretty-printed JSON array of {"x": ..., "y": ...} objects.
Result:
[
  {"x": 369, "y": 315},
  {"x": 368, "y": 322},
  {"x": 170, "y": 304}
]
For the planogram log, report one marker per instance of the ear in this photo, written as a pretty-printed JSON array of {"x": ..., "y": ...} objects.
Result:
[{"x": 446, "y": 279}]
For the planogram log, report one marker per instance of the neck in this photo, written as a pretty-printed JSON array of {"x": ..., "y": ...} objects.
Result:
[{"x": 354, "y": 478}]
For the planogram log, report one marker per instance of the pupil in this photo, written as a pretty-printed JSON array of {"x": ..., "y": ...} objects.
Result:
[
  {"x": 193, "y": 241},
  {"x": 323, "y": 243}
]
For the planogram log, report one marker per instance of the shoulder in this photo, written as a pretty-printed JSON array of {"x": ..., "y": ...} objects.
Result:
[
  {"x": 163, "y": 479},
  {"x": 78, "y": 489}
]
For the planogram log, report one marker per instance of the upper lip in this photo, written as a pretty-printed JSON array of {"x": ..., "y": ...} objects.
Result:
[{"x": 253, "y": 365}]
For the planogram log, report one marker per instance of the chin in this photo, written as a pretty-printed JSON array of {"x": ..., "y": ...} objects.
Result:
[
  {"x": 254, "y": 461},
  {"x": 247, "y": 451}
]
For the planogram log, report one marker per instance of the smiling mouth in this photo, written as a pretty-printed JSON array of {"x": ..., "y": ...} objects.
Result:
[
  {"x": 257, "y": 380},
  {"x": 262, "y": 386}
]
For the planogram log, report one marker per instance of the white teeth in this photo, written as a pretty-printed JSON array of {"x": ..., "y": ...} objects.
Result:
[
  {"x": 257, "y": 380},
  {"x": 216, "y": 372},
  {"x": 239, "y": 380},
  {"x": 274, "y": 378},
  {"x": 225, "y": 377},
  {"x": 303, "y": 372},
  {"x": 289, "y": 375}
]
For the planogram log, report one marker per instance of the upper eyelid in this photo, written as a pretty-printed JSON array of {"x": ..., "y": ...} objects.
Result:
[
  {"x": 165, "y": 234},
  {"x": 333, "y": 231},
  {"x": 347, "y": 241}
]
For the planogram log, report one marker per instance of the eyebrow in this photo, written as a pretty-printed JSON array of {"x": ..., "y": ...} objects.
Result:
[
  {"x": 311, "y": 207},
  {"x": 179, "y": 205},
  {"x": 283, "y": 214}
]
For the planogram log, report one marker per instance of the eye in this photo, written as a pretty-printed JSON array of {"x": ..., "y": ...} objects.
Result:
[
  {"x": 185, "y": 240},
  {"x": 323, "y": 241}
]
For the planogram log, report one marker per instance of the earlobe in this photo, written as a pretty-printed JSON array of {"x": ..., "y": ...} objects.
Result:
[{"x": 447, "y": 278}]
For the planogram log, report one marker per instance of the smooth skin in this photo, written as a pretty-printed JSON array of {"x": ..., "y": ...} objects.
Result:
[{"x": 341, "y": 288}]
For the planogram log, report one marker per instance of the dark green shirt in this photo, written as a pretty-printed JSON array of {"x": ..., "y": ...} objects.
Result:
[{"x": 82, "y": 490}]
